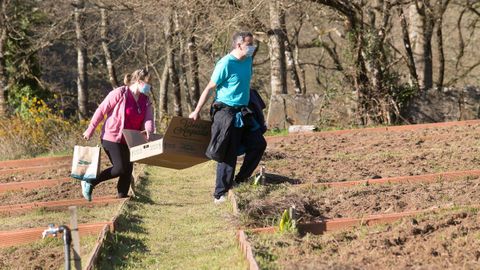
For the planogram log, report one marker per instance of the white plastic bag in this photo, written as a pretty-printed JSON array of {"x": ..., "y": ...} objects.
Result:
[{"x": 86, "y": 162}]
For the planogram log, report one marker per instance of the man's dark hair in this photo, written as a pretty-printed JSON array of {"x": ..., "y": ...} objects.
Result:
[{"x": 239, "y": 37}]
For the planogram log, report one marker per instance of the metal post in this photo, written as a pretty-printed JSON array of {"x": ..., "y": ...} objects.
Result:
[{"x": 67, "y": 241}]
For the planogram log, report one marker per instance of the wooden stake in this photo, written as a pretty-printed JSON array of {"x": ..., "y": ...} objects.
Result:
[{"x": 75, "y": 237}]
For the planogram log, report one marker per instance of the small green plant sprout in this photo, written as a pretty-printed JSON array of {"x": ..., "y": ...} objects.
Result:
[
  {"x": 259, "y": 178},
  {"x": 287, "y": 222}
]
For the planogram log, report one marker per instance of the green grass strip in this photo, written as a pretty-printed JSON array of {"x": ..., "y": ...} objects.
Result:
[{"x": 174, "y": 224}]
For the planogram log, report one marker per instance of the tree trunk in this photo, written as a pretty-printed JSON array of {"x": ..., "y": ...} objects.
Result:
[
  {"x": 421, "y": 32},
  {"x": 441, "y": 55},
  {"x": 82, "y": 82},
  {"x": 3, "y": 73},
  {"x": 277, "y": 50},
  {"x": 194, "y": 80},
  {"x": 183, "y": 77},
  {"x": 171, "y": 51},
  {"x": 441, "y": 8},
  {"x": 106, "y": 50},
  {"x": 289, "y": 58},
  {"x": 164, "y": 92},
  {"x": 181, "y": 67},
  {"x": 408, "y": 49}
]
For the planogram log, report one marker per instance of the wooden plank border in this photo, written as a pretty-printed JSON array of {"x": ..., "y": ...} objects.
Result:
[
  {"x": 11, "y": 238},
  {"x": 274, "y": 139},
  {"x": 20, "y": 163},
  {"x": 25, "y": 207},
  {"x": 246, "y": 248},
  {"x": 34, "y": 168},
  {"x": 336, "y": 224},
  {"x": 113, "y": 224},
  {"x": 29, "y": 185},
  {"x": 446, "y": 176}
]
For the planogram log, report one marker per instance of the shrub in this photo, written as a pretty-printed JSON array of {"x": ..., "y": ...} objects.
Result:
[{"x": 36, "y": 129}]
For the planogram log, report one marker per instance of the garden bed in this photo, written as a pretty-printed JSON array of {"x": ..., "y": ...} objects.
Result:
[
  {"x": 42, "y": 217},
  {"x": 262, "y": 206},
  {"x": 356, "y": 156},
  {"x": 65, "y": 190},
  {"x": 445, "y": 240},
  {"x": 43, "y": 254},
  {"x": 439, "y": 205}
]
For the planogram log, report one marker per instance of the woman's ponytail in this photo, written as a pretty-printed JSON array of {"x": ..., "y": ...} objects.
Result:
[{"x": 127, "y": 79}]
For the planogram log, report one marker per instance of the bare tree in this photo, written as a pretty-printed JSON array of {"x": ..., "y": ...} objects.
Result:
[
  {"x": 164, "y": 81},
  {"x": 422, "y": 22},
  {"x": 366, "y": 26},
  {"x": 278, "y": 79},
  {"x": 82, "y": 79},
  {"x": 182, "y": 62},
  {"x": 289, "y": 57},
  {"x": 440, "y": 11},
  {"x": 171, "y": 51},
  {"x": 194, "y": 66},
  {"x": 408, "y": 48},
  {"x": 112, "y": 76},
  {"x": 3, "y": 74}
]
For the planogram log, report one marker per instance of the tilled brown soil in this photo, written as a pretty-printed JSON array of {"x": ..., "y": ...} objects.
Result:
[
  {"x": 435, "y": 241},
  {"x": 63, "y": 191},
  {"x": 37, "y": 175},
  {"x": 40, "y": 218},
  {"x": 40, "y": 174},
  {"x": 263, "y": 205},
  {"x": 48, "y": 253},
  {"x": 41, "y": 255},
  {"x": 357, "y": 156}
]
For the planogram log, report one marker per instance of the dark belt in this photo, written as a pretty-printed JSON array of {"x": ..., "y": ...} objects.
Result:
[{"x": 218, "y": 106}]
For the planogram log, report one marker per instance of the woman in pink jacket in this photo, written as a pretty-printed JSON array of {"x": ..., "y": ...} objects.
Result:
[{"x": 126, "y": 107}]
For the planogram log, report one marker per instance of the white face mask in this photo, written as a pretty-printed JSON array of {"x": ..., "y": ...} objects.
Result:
[{"x": 250, "y": 51}]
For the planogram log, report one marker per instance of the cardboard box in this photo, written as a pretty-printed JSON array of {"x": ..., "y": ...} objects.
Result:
[{"x": 183, "y": 145}]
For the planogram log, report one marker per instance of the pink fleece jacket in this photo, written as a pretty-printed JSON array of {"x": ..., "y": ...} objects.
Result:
[{"x": 113, "y": 106}]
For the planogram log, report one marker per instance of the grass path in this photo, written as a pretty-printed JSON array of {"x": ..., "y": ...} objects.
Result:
[{"x": 173, "y": 224}]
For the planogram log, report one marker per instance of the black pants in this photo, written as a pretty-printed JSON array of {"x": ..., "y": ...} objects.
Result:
[
  {"x": 119, "y": 155},
  {"x": 254, "y": 144}
]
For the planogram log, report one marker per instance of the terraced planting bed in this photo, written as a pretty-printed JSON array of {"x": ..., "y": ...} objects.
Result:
[
  {"x": 444, "y": 240},
  {"x": 43, "y": 169},
  {"x": 44, "y": 254},
  {"x": 356, "y": 155},
  {"x": 64, "y": 190},
  {"x": 263, "y": 206},
  {"x": 27, "y": 208},
  {"x": 424, "y": 180},
  {"x": 43, "y": 216},
  {"x": 35, "y": 173}
]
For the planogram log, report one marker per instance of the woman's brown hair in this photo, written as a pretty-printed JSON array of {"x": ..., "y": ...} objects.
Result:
[{"x": 137, "y": 75}]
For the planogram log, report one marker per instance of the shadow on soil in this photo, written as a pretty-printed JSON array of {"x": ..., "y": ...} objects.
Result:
[
  {"x": 275, "y": 179},
  {"x": 120, "y": 244}
]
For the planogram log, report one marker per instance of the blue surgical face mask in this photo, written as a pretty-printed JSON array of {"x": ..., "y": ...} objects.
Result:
[
  {"x": 250, "y": 50},
  {"x": 145, "y": 88}
]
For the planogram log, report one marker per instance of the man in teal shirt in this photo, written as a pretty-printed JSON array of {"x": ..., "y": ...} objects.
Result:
[{"x": 231, "y": 82}]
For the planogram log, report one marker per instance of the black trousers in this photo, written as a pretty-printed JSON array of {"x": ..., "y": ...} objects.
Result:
[
  {"x": 119, "y": 156},
  {"x": 254, "y": 144}
]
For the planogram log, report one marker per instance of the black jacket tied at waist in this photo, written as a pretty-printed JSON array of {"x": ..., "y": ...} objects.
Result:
[{"x": 224, "y": 118}]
